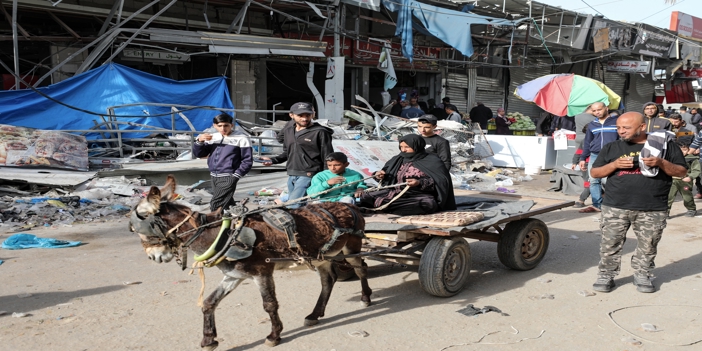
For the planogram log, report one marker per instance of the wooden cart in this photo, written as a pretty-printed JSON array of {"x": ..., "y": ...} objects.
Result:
[{"x": 443, "y": 255}]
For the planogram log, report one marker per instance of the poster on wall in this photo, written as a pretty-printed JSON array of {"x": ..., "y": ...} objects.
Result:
[{"x": 28, "y": 147}]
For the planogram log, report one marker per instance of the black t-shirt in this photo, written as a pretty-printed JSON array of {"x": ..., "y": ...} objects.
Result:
[
  {"x": 439, "y": 146},
  {"x": 628, "y": 189}
]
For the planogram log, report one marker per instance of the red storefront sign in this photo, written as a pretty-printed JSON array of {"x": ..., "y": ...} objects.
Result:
[
  {"x": 686, "y": 25},
  {"x": 692, "y": 73}
]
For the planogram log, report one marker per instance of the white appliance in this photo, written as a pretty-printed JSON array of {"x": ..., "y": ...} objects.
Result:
[{"x": 518, "y": 151}]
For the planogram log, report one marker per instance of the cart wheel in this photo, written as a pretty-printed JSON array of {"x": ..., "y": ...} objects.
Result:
[
  {"x": 444, "y": 266},
  {"x": 523, "y": 244}
]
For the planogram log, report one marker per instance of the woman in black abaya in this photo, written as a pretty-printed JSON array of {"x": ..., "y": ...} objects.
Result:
[{"x": 431, "y": 189}]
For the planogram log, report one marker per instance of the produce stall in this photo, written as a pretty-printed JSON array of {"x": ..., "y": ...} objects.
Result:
[{"x": 522, "y": 125}]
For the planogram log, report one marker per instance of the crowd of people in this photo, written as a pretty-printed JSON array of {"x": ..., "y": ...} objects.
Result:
[{"x": 619, "y": 154}]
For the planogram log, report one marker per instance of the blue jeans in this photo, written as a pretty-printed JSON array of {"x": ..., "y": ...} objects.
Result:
[
  {"x": 297, "y": 188},
  {"x": 595, "y": 184}
]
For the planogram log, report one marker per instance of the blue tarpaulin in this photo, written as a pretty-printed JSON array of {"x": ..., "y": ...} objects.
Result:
[
  {"x": 451, "y": 27},
  {"x": 110, "y": 85},
  {"x": 28, "y": 241}
]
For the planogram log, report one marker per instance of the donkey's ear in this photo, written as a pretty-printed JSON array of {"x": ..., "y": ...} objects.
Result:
[
  {"x": 169, "y": 188},
  {"x": 154, "y": 197},
  {"x": 151, "y": 204}
]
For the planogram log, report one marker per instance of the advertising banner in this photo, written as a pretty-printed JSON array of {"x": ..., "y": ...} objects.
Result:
[
  {"x": 637, "y": 39},
  {"x": 28, "y": 147},
  {"x": 686, "y": 25}
]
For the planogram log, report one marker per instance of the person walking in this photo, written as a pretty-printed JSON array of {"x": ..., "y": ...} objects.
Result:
[
  {"x": 480, "y": 114},
  {"x": 452, "y": 114},
  {"x": 684, "y": 185},
  {"x": 304, "y": 148},
  {"x": 686, "y": 116},
  {"x": 653, "y": 122},
  {"x": 413, "y": 111},
  {"x": 229, "y": 158},
  {"x": 637, "y": 196},
  {"x": 600, "y": 132}
]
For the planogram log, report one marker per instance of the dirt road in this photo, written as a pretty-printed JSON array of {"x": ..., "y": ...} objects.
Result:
[{"x": 76, "y": 299}]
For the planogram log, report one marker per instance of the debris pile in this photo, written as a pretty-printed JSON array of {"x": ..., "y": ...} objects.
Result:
[{"x": 102, "y": 200}]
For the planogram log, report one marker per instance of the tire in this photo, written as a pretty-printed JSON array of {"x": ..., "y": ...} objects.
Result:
[
  {"x": 343, "y": 271},
  {"x": 445, "y": 266},
  {"x": 523, "y": 244}
]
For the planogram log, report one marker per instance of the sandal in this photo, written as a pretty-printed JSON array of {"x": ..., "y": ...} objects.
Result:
[
  {"x": 579, "y": 204},
  {"x": 590, "y": 209}
]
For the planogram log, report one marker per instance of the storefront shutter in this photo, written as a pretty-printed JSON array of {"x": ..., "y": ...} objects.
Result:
[
  {"x": 490, "y": 92},
  {"x": 457, "y": 90},
  {"x": 641, "y": 91}
]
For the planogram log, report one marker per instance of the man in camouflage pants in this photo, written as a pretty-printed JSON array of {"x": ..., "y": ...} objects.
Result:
[{"x": 634, "y": 198}]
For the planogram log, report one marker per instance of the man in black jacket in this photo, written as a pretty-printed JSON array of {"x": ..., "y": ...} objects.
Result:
[
  {"x": 304, "y": 148},
  {"x": 481, "y": 114}
]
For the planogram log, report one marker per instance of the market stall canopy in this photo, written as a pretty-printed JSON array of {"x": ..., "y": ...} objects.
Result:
[
  {"x": 111, "y": 85},
  {"x": 566, "y": 94}
]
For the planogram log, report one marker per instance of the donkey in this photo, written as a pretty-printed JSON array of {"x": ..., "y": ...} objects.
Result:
[{"x": 314, "y": 231}]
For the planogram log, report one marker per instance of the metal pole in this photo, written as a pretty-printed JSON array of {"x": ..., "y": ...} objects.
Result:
[
  {"x": 274, "y": 105},
  {"x": 337, "y": 44},
  {"x": 572, "y": 33},
  {"x": 15, "y": 47},
  {"x": 146, "y": 24},
  {"x": 560, "y": 25},
  {"x": 98, "y": 40}
]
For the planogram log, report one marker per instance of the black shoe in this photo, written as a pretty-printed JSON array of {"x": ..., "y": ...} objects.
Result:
[
  {"x": 579, "y": 204},
  {"x": 690, "y": 213},
  {"x": 643, "y": 283},
  {"x": 603, "y": 284}
]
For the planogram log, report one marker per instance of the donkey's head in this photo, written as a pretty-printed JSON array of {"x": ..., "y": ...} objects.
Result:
[{"x": 146, "y": 221}]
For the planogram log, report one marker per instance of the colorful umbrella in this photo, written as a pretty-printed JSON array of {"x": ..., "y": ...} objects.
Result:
[{"x": 566, "y": 94}]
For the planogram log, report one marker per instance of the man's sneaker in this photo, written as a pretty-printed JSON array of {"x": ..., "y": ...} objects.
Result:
[
  {"x": 643, "y": 283},
  {"x": 603, "y": 284},
  {"x": 698, "y": 196},
  {"x": 691, "y": 213}
]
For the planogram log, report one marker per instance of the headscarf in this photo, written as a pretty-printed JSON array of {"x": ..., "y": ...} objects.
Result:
[
  {"x": 428, "y": 163},
  {"x": 417, "y": 143}
]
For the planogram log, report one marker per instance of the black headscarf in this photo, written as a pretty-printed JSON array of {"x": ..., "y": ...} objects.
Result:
[{"x": 428, "y": 163}]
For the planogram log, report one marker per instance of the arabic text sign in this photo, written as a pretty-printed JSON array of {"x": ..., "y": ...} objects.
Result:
[
  {"x": 154, "y": 55},
  {"x": 629, "y": 66}
]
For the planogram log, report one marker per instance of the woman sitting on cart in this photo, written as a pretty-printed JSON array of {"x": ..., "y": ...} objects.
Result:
[{"x": 430, "y": 187}]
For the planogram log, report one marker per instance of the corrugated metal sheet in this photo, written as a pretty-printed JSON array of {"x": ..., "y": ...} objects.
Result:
[
  {"x": 614, "y": 80},
  {"x": 519, "y": 76},
  {"x": 457, "y": 90},
  {"x": 490, "y": 92},
  {"x": 641, "y": 91}
]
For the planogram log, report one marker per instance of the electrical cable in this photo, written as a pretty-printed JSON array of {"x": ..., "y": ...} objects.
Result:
[
  {"x": 543, "y": 41},
  {"x": 677, "y": 3},
  {"x": 588, "y": 5},
  {"x": 285, "y": 85}
]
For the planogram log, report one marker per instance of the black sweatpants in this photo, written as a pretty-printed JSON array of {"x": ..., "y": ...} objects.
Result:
[{"x": 223, "y": 192}]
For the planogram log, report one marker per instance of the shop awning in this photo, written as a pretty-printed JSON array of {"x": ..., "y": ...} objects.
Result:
[{"x": 224, "y": 43}]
